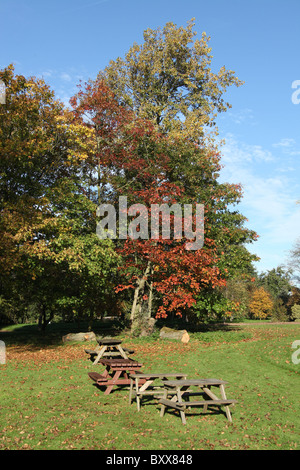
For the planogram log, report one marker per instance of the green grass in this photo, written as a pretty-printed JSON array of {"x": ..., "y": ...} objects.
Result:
[{"x": 49, "y": 402}]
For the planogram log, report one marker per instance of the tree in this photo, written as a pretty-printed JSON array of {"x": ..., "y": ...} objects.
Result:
[
  {"x": 279, "y": 312},
  {"x": 148, "y": 114},
  {"x": 296, "y": 312},
  {"x": 294, "y": 299},
  {"x": 277, "y": 282},
  {"x": 69, "y": 250},
  {"x": 294, "y": 261},
  {"x": 48, "y": 224},
  {"x": 38, "y": 150},
  {"x": 168, "y": 79},
  {"x": 261, "y": 304},
  {"x": 135, "y": 159}
]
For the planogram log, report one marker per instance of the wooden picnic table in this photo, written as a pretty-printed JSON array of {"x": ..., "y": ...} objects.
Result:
[
  {"x": 180, "y": 389},
  {"x": 141, "y": 384},
  {"x": 109, "y": 348},
  {"x": 116, "y": 373}
]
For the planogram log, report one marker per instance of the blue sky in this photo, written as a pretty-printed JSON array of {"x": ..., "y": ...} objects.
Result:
[{"x": 65, "y": 41}]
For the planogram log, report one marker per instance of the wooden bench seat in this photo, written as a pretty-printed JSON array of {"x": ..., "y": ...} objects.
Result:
[
  {"x": 182, "y": 405},
  {"x": 141, "y": 384},
  {"x": 108, "y": 349},
  {"x": 98, "y": 378},
  {"x": 128, "y": 351},
  {"x": 186, "y": 404},
  {"x": 170, "y": 403}
]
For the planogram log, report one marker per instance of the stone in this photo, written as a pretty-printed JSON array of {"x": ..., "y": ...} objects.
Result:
[{"x": 90, "y": 336}]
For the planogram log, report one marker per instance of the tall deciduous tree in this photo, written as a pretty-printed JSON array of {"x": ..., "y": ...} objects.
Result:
[
  {"x": 150, "y": 113},
  {"x": 49, "y": 249},
  {"x": 169, "y": 80},
  {"x": 38, "y": 150},
  {"x": 137, "y": 161}
]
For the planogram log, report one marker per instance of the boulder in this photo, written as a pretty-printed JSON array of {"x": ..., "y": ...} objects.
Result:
[
  {"x": 90, "y": 336},
  {"x": 169, "y": 333}
]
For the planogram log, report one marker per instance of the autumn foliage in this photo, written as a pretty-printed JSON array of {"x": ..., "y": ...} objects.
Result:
[
  {"x": 135, "y": 158},
  {"x": 261, "y": 304},
  {"x": 138, "y": 130}
]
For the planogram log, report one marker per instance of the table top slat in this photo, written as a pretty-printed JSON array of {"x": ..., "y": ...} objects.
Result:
[
  {"x": 157, "y": 376},
  {"x": 120, "y": 363},
  {"x": 178, "y": 383},
  {"x": 107, "y": 341}
]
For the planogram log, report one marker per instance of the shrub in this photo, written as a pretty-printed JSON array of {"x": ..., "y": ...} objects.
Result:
[{"x": 295, "y": 312}]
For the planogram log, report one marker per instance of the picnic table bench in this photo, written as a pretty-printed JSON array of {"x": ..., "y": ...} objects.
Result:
[
  {"x": 116, "y": 373},
  {"x": 141, "y": 384},
  {"x": 180, "y": 389},
  {"x": 108, "y": 347}
]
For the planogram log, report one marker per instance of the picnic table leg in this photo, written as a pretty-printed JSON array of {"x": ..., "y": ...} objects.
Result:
[
  {"x": 223, "y": 395},
  {"x": 227, "y": 410},
  {"x": 125, "y": 374},
  {"x": 205, "y": 407},
  {"x": 112, "y": 382},
  {"x": 100, "y": 354},
  {"x": 182, "y": 413},
  {"x": 131, "y": 390},
  {"x": 163, "y": 407},
  {"x": 142, "y": 389},
  {"x": 121, "y": 351},
  {"x": 106, "y": 372},
  {"x": 138, "y": 403}
]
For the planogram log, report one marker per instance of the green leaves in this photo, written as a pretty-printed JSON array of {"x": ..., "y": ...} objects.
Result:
[
  {"x": 49, "y": 248},
  {"x": 168, "y": 79}
]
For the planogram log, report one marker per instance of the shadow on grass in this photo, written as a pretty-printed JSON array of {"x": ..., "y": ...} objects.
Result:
[
  {"x": 211, "y": 411},
  {"x": 31, "y": 335},
  {"x": 196, "y": 328}
]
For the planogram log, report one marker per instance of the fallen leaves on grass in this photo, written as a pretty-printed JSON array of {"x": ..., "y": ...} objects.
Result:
[{"x": 25, "y": 354}]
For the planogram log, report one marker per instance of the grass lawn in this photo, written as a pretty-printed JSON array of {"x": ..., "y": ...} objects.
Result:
[{"x": 49, "y": 402}]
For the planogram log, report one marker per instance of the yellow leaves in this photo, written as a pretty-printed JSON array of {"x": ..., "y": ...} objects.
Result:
[
  {"x": 261, "y": 304},
  {"x": 80, "y": 138}
]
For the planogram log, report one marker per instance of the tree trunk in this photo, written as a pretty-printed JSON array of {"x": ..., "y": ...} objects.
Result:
[
  {"x": 150, "y": 299},
  {"x": 43, "y": 320},
  {"x": 169, "y": 333},
  {"x": 137, "y": 313}
]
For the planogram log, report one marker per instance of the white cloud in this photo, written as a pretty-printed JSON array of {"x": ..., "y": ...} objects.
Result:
[
  {"x": 239, "y": 117},
  {"x": 288, "y": 147},
  {"x": 66, "y": 77},
  {"x": 269, "y": 198},
  {"x": 241, "y": 153},
  {"x": 285, "y": 143},
  {"x": 47, "y": 74}
]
